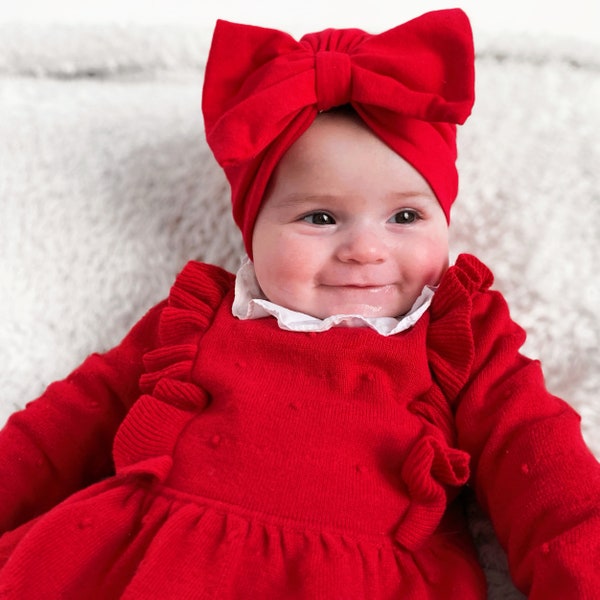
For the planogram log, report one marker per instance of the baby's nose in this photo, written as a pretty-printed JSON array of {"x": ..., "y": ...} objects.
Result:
[{"x": 362, "y": 245}]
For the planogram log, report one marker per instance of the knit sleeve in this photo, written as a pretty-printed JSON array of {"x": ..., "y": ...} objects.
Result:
[
  {"x": 62, "y": 441},
  {"x": 532, "y": 470}
]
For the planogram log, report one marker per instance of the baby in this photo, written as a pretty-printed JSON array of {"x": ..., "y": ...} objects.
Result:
[{"x": 303, "y": 429}]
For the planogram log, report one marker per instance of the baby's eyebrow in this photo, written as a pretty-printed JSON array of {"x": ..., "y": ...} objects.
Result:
[
  {"x": 298, "y": 198},
  {"x": 412, "y": 195}
]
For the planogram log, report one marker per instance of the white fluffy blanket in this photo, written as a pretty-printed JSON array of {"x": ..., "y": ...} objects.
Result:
[{"x": 107, "y": 188}]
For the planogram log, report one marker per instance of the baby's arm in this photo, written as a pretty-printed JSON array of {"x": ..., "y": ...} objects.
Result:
[
  {"x": 533, "y": 472},
  {"x": 62, "y": 441}
]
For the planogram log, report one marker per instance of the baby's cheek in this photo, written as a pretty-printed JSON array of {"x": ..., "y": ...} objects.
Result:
[
  {"x": 433, "y": 261},
  {"x": 283, "y": 283}
]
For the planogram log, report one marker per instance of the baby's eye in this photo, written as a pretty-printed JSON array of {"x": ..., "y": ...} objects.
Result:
[
  {"x": 406, "y": 216},
  {"x": 319, "y": 218}
]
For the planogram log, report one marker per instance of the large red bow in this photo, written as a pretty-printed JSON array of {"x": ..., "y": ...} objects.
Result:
[{"x": 262, "y": 90}]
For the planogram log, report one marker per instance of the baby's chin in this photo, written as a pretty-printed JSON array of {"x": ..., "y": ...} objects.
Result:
[
  {"x": 381, "y": 302},
  {"x": 365, "y": 310}
]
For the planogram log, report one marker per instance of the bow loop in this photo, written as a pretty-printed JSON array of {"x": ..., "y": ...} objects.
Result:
[{"x": 333, "y": 79}]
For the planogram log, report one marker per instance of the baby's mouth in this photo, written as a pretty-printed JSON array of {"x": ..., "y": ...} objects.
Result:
[{"x": 359, "y": 286}]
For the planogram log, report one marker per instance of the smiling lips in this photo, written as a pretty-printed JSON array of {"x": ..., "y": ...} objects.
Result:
[{"x": 366, "y": 287}]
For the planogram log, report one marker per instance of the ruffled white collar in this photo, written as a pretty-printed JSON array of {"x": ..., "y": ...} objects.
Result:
[{"x": 250, "y": 303}]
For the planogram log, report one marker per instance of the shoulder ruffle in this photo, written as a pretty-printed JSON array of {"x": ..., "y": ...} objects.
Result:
[
  {"x": 434, "y": 469},
  {"x": 194, "y": 297},
  {"x": 170, "y": 398},
  {"x": 450, "y": 346}
]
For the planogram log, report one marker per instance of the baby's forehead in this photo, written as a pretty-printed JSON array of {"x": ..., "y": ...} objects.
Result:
[
  {"x": 327, "y": 135},
  {"x": 341, "y": 114},
  {"x": 338, "y": 157}
]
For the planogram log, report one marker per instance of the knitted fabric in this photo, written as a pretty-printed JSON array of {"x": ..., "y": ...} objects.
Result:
[{"x": 241, "y": 475}]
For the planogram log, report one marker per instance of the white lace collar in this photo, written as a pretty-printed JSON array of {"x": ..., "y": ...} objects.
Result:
[{"x": 250, "y": 303}]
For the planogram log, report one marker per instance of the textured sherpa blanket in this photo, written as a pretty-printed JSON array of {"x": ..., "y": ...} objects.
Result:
[{"x": 107, "y": 188}]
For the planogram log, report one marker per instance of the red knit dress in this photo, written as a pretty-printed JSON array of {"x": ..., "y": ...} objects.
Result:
[{"x": 253, "y": 462}]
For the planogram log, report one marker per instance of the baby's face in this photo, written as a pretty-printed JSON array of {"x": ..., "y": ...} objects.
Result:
[{"x": 347, "y": 226}]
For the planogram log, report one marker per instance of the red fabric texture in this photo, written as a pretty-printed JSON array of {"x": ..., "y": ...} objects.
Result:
[
  {"x": 241, "y": 475},
  {"x": 411, "y": 85},
  {"x": 63, "y": 441}
]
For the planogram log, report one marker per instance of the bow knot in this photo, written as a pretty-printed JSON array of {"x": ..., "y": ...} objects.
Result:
[{"x": 333, "y": 79}]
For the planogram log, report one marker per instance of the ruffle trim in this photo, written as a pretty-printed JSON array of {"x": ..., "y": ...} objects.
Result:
[
  {"x": 431, "y": 469},
  {"x": 434, "y": 469},
  {"x": 450, "y": 345},
  {"x": 169, "y": 398}
]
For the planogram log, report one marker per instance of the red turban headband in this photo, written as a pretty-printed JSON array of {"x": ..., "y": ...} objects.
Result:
[{"x": 411, "y": 85}]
